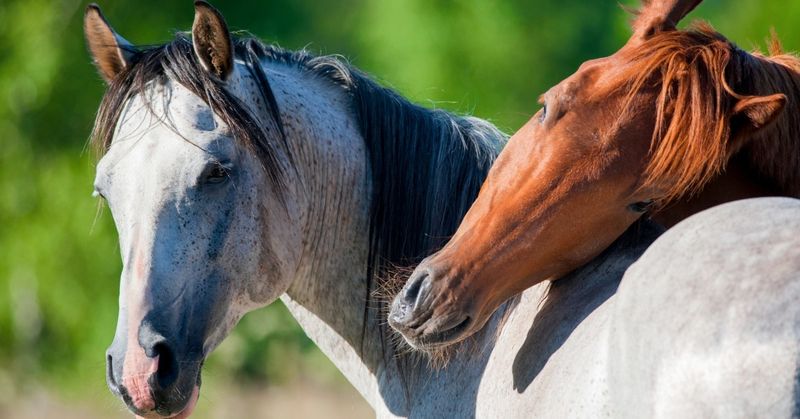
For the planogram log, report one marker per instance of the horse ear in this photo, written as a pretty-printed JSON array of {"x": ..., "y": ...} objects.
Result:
[
  {"x": 755, "y": 113},
  {"x": 657, "y": 16},
  {"x": 110, "y": 52},
  {"x": 212, "y": 40},
  {"x": 760, "y": 111}
]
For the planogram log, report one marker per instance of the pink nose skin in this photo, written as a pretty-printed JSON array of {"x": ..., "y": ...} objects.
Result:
[
  {"x": 138, "y": 367},
  {"x": 136, "y": 370}
]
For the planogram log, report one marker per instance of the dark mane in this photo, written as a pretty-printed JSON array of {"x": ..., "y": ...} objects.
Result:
[
  {"x": 176, "y": 61},
  {"x": 426, "y": 165},
  {"x": 701, "y": 75}
]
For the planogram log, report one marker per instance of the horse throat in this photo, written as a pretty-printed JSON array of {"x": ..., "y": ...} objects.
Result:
[{"x": 735, "y": 183}]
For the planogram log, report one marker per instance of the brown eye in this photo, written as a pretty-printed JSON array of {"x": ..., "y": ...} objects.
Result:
[
  {"x": 218, "y": 174},
  {"x": 642, "y": 206},
  {"x": 543, "y": 113}
]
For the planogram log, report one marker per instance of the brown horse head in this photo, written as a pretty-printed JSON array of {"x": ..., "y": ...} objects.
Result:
[{"x": 626, "y": 134}]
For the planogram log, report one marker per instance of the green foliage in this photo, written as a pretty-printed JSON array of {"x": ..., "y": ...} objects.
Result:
[{"x": 59, "y": 261}]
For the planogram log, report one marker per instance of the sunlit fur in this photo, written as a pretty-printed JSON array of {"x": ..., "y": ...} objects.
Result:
[{"x": 701, "y": 75}]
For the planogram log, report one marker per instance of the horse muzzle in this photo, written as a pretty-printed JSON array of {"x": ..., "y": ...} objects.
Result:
[
  {"x": 152, "y": 379},
  {"x": 425, "y": 318}
]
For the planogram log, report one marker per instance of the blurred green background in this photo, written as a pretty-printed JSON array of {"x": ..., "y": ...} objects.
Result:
[{"x": 59, "y": 264}]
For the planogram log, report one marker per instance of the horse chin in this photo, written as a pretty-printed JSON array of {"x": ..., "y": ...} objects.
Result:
[
  {"x": 189, "y": 409},
  {"x": 184, "y": 413}
]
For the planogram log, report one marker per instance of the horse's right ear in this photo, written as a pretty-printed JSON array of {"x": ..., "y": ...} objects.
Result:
[
  {"x": 752, "y": 114},
  {"x": 657, "y": 16},
  {"x": 110, "y": 52}
]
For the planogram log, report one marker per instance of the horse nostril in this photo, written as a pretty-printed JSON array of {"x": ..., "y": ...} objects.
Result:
[
  {"x": 110, "y": 379},
  {"x": 167, "y": 372},
  {"x": 418, "y": 286},
  {"x": 412, "y": 304}
]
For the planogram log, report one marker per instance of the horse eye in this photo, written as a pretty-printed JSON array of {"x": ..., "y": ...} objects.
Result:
[
  {"x": 642, "y": 206},
  {"x": 543, "y": 113},
  {"x": 218, "y": 174}
]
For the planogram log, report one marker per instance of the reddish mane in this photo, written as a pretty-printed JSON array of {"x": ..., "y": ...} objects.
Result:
[{"x": 700, "y": 76}]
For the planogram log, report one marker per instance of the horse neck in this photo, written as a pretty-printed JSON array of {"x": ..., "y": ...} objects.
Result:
[
  {"x": 337, "y": 167},
  {"x": 767, "y": 164},
  {"x": 772, "y": 155},
  {"x": 327, "y": 294}
]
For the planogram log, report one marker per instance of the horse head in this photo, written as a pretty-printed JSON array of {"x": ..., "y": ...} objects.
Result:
[
  {"x": 194, "y": 180},
  {"x": 623, "y": 135}
]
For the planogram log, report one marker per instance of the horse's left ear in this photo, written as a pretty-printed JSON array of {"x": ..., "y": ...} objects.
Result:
[
  {"x": 657, "y": 16},
  {"x": 754, "y": 113},
  {"x": 212, "y": 40}
]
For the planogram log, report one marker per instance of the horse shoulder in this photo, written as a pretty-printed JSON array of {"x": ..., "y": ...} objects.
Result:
[{"x": 551, "y": 355}]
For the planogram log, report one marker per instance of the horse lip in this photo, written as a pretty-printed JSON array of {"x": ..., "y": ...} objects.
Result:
[
  {"x": 123, "y": 394},
  {"x": 419, "y": 320},
  {"x": 190, "y": 405},
  {"x": 159, "y": 412},
  {"x": 190, "y": 402},
  {"x": 443, "y": 337}
]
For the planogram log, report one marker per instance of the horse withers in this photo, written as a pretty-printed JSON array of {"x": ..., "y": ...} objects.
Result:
[{"x": 674, "y": 122}]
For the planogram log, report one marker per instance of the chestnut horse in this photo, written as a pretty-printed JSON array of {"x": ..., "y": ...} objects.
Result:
[{"x": 674, "y": 122}]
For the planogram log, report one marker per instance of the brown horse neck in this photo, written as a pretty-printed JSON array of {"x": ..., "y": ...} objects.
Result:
[{"x": 735, "y": 183}]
